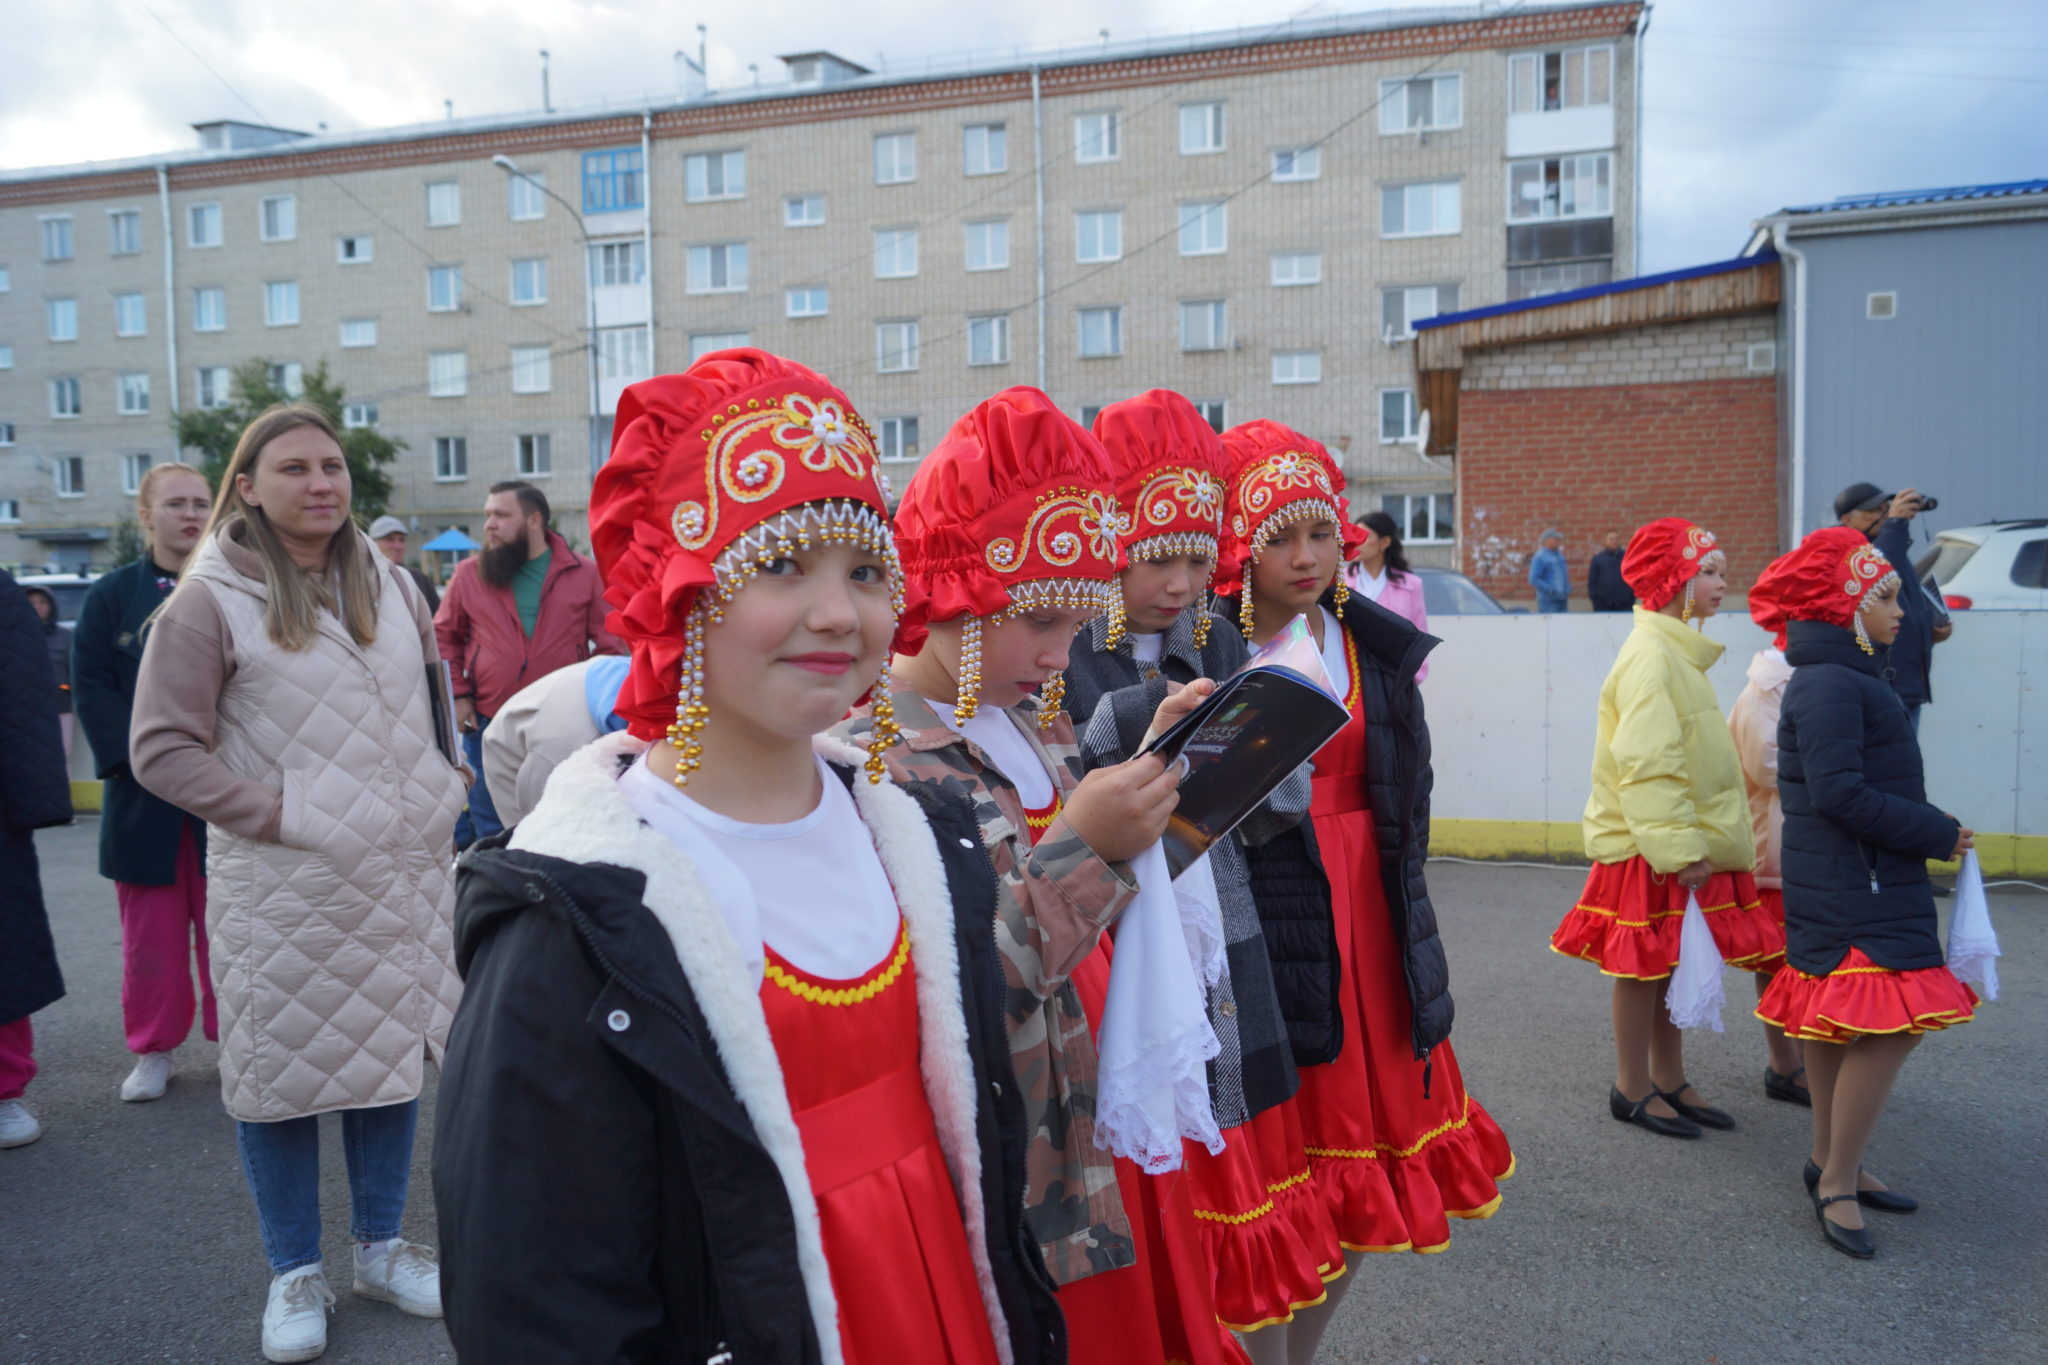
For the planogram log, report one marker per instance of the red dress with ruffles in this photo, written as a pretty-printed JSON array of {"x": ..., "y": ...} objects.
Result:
[
  {"x": 1395, "y": 1159},
  {"x": 1627, "y": 921},
  {"x": 894, "y": 1238},
  {"x": 1859, "y": 998}
]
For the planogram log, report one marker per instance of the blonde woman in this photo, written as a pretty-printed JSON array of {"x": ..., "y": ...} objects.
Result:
[{"x": 284, "y": 699}]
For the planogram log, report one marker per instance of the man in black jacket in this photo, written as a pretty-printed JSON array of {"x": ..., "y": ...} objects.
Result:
[
  {"x": 1604, "y": 583},
  {"x": 1887, "y": 519}
]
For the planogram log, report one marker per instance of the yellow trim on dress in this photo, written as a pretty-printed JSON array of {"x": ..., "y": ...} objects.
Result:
[
  {"x": 846, "y": 995},
  {"x": 1042, "y": 823},
  {"x": 1388, "y": 1149}
]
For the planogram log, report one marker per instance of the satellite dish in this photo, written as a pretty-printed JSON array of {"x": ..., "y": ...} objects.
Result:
[{"x": 1421, "y": 437}]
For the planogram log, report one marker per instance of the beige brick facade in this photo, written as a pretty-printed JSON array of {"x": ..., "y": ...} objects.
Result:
[{"x": 1717, "y": 348}]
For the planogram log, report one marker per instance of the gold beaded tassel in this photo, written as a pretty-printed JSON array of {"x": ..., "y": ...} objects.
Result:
[
  {"x": 1863, "y": 637},
  {"x": 1052, "y": 700},
  {"x": 968, "y": 686},
  {"x": 1244, "y": 603},
  {"x": 691, "y": 712},
  {"x": 1685, "y": 612},
  {"x": 1119, "y": 624},
  {"x": 886, "y": 731},
  {"x": 1343, "y": 593}
]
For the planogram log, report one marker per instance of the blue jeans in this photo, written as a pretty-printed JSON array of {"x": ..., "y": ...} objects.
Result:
[
  {"x": 1547, "y": 605},
  {"x": 282, "y": 1162},
  {"x": 479, "y": 819}
]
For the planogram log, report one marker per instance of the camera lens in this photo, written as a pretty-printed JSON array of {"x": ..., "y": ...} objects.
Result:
[{"x": 1929, "y": 504}]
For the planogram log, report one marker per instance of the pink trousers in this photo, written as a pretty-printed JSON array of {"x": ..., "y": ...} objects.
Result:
[
  {"x": 17, "y": 1057},
  {"x": 163, "y": 928}
]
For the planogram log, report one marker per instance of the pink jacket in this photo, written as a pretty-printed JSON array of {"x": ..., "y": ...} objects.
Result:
[
  {"x": 1400, "y": 595},
  {"x": 1754, "y": 724},
  {"x": 477, "y": 628}
]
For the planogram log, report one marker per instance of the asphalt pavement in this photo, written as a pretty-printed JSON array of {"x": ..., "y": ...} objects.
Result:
[{"x": 126, "y": 1233}]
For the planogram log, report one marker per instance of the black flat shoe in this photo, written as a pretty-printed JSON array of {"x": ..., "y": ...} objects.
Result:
[
  {"x": 1706, "y": 1115},
  {"x": 1884, "y": 1201},
  {"x": 1633, "y": 1111},
  {"x": 1779, "y": 1087},
  {"x": 1849, "y": 1241}
]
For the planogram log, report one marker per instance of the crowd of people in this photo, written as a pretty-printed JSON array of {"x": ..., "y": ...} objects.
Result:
[{"x": 691, "y": 1108}]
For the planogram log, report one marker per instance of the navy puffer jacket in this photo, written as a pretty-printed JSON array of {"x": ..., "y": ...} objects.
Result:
[{"x": 1858, "y": 829}]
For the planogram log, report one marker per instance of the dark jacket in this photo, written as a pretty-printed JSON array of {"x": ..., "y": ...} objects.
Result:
[
  {"x": 1605, "y": 585},
  {"x": 57, "y": 640},
  {"x": 138, "y": 829},
  {"x": 35, "y": 793},
  {"x": 1911, "y": 657},
  {"x": 603, "y": 1195},
  {"x": 1858, "y": 829}
]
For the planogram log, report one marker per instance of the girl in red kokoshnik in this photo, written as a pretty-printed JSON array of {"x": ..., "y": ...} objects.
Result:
[
  {"x": 1668, "y": 817},
  {"x": 730, "y": 1079},
  {"x": 1865, "y": 975},
  {"x": 1398, "y": 1145},
  {"x": 1008, "y": 535}
]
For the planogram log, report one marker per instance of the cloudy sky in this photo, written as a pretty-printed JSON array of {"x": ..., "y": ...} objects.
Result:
[{"x": 1751, "y": 104}]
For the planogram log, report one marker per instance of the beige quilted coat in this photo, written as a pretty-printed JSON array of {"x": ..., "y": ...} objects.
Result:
[{"x": 330, "y": 886}]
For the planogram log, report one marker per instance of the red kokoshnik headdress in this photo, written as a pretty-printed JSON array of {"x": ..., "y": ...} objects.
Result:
[
  {"x": 714, "y": 473},
  {"x": 1170, "y": 470},
  {"x": 1827, "y": 577},
  {"x": 1277, "y": 477},
  {"x": 1014, "y": 510},
  {"x": 1664, "y": 557}
]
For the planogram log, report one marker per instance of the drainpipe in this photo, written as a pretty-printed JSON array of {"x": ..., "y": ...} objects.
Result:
[
  {"x": 1038, "y": 194},
  {"x": 1637, "y": 190},
  {"x": 647, "y": 227},
  {"x": 1781, "y": 239},
  {"x": 163, "y": 198}
]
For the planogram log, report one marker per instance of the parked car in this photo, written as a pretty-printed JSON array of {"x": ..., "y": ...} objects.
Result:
[
  {"x": 1998, "y": 566},
  {"x": 1447, "y": 593},
  {"x": 68, "y": 589}
]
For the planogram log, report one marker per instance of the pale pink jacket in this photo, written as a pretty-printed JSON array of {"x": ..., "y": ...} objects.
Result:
[
  {"x": 1754, "y": 724},
  {"x": 1400, "y": 595}
]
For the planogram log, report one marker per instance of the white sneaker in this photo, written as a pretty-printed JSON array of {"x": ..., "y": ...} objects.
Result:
[
  {"x": 148, "y": 1080},
  {"x": 295, "y": 1319},
  {"x": 402, "y": 1273},
  {"x": 18, "y": 1127}
]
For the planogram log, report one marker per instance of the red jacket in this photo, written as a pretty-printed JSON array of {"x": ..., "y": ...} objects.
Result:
[{"x": 478, "y": 629}]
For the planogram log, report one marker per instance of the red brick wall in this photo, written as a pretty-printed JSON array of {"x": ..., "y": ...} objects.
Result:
[{"x": 1611, "y": 457}]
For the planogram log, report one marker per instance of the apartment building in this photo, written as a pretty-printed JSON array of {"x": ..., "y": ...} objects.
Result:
[{"x": 1254, "y": 218}]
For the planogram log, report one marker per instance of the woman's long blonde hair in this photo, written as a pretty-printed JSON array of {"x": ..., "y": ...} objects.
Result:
[{"x": 296, "y": 596}]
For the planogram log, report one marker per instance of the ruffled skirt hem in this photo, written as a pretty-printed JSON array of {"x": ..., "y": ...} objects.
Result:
[
  {"x": 1389, "y": 1198},
  {"x": 1627, "y": 922},
  {"x": 1860, "y": 999}
]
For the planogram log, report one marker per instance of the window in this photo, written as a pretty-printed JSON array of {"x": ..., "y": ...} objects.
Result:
[
  {"x": 212, "y": 388},
  {"x": 1424, "y": 518},
  {"x": 357, "y": 332},
  {"x": 718, "y": 269},
  {"x": 1201, "y": 129},
  {"x": 1099, "y": 236},
  {"x": 1881, "y": 306},
  {"x": 10, "y": 508},
  {"x": 133, "y": 467},
  {"x": 444, "y": 288},
  {"x": 1095, "y": 137},
  {"x": 1297, "y": 367},
  {"x": 1428, "y": 210},
  {"x": 803, "y": 210},
  {"x": 63, "y": 319},
  {"x": 6, "y": 280},
  {"x": 1297, "y": 267},
  {"x": 526, "y": 197},
  {"x": 1397, "y": 415},
  {"x": 536, "y": 455},
  {"x": 1215, "y": 411},
  {"x": 895, "y": 253},
  {"x": 532, "y": 369},
  {"x": 444, "y": 203},
  {"x": 451, "y": 458},
  {"x": 1426, "y": 102},
  {"x": 704, "y": 343},
  {"x": 131, "y": 315},
  {"x": 895, "y": 158},
  {"x": 1204, "y": 325},
  {"x": 359, "y": 415},
  {"x": 124, "y": 232},
  {"x": 70, "y": 476},
  {"x": 132, "y": 394},
  {"x": 1202, "y": 229},
  {"x": 278, "y": 217},
  {"x": 714, "y": 175},
  {"x": 202, "y": 225},
  {"x": 1102, "y": 332},
  {"x": 985, "y": 149},
  {"x": 899, "y": 438},
  {"x": 1401, "y": 308},
  {"x": 209, "y": 310},
  {"x": 810, "y": 301},
  {"x": 1569, "y": 79},
  {"x": 1560, "y": 187},
  {"x": 614, "y": 263},
  {"x": 1298, "y": 163},
  {"x": 64, "y": 400},
  {"x": 1089, "y": 412},
  {"x": 6, "y": 357},
  {"x": 6, "y": 433},
  {"x": 623, "y": 354},
  {"x": 988, "y": 340},
  {"x": 529, "y": 282},
  {"x": 895, "y": 347},
  {"x": 614, "y": 181},
  {"x": 988, "y": 245},
  {"x": 57, "y": 239},
  {"x": 355, "y": 250},
  {"x": 447, "y": 374},
  {"x": 290, "y": 377},
  {"x": 281, "y": 303}
]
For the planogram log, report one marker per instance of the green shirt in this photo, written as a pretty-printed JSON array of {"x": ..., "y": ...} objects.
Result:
[{"x": 526, "y": 585}]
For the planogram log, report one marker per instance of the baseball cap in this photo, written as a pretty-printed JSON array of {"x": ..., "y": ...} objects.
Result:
[
  {"x": 388, "y": 526},
  {"x": 1860, "y": 497}
]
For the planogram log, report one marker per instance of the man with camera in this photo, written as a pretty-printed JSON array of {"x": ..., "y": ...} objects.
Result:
[{"x": 1886, "y": 518}]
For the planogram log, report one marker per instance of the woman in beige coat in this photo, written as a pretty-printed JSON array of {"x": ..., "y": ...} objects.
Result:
[{"x": 284, "y": 698}]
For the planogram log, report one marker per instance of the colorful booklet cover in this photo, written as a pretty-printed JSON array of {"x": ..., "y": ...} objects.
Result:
[{"x": 1259, "y": 725}]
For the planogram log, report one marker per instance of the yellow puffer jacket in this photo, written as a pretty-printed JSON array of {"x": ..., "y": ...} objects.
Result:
[{"x": 1666, "y": 780}]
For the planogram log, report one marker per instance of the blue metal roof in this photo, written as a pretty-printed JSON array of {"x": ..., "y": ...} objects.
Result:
[
  {"x": 1897, "y": 198},
  {"x": 1694, "y": 272}
]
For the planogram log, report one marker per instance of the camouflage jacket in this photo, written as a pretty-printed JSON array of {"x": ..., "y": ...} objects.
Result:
[{"x": 1055, "y": 900}]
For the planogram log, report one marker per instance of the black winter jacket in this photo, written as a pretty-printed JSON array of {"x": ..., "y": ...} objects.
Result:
[
  {"x": 1858, "y": 828},
  {"x": 1605, "y": 585},
  {"x": 1910, "y": 659},
  {"x": 603, "y": 1194},
  {"x": 35, "y": 793}
]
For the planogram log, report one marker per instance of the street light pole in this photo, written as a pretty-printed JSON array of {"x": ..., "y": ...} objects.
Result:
[{"x": 511, "y": 168}]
